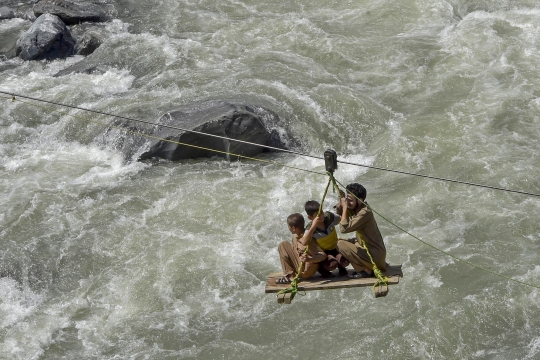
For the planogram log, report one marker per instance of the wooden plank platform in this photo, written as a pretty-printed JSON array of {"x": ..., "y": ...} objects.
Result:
[{"x": 317, "y": 282}]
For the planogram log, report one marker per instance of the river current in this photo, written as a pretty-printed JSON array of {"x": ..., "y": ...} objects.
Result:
[{"x": 104, "y": 257}]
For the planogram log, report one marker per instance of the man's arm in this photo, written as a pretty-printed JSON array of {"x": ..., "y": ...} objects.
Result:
[{"x": 357, "y": 221}]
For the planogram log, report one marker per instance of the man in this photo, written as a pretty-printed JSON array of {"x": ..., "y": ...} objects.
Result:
[{"x": 356, "y": 216}]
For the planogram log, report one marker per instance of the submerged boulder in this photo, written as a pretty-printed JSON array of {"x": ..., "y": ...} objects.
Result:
[
  {"x": 26, "y": 13},
  {"x": 87, "y": 44},
  {"x": 228, "y": 119},
  {"x": 74, "y": 12},
  {"x": 47, "y": 38},
  {"x": 6, "y": 13}
]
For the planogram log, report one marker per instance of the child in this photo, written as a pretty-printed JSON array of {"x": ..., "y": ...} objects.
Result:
[
  {"x": 326, "y": 236},
  {"x": 291, "y": 255}
]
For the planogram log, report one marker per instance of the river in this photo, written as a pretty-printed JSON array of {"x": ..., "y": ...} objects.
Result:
[{"x": 104, "y": 257}]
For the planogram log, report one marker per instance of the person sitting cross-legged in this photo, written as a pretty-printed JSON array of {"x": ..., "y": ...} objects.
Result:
[
  {"x": 326, "y": 236},
  {"x": 292, "y": 254},
  {"x": 356, "y": 216}
]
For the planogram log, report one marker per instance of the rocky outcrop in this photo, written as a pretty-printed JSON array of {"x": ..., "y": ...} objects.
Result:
[
  {"x": 81, "y": 14},
  {"x": 228, "y": 119},
  {"x": 87, "y": 44},
  {"x": 74, "y": 12},
  {"x": 83, "y": 68},
  {"x": 27, "y": 14},
  {"x": 47, "y": 38}
]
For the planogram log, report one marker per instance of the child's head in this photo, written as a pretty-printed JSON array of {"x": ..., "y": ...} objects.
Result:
[
  {"x": 296, "y": 223},
  {"x": 312, "y": 208}
]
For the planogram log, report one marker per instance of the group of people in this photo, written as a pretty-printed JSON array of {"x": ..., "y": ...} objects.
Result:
[{"x": 325, "y": 251}]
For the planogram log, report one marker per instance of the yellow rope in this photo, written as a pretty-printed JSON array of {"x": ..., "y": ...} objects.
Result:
[{"x": 381, "y": 279}]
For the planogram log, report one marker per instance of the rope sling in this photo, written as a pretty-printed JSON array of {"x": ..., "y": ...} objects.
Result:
[{"x": 382, "y": 280}]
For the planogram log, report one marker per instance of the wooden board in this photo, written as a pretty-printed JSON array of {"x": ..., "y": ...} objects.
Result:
[{"x": 317, "y": 282}]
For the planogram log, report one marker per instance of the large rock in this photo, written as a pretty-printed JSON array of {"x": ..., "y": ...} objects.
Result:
[
  {"x": 228, "y": 119},
  {"x": 8, "y": 39},
  {"x": 27, "y": 14},
  {"x": 6, "y": 13},
  {"x": 74, "y": 12},
  {"x": 47, "y": 38}
]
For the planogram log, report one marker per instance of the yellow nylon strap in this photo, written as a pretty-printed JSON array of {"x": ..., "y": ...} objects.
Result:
[{"x": 381, "y": 279}]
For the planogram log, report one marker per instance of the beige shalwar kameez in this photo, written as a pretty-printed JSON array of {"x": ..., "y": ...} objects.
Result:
[
  {"x": 289, "y": 255},
  {"x": 366, "y": 228}
]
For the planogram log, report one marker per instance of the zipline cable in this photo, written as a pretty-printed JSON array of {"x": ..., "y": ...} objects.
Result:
[
  {"x": 171, "y": 141},
  {"x": 279, "y": 164},
  {"x": 162, "y": 125},
  {"x": 276, "y": 148}
]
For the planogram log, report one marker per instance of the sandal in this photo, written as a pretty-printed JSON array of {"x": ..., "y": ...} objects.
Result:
[
  {"x": 361, "y": 275},
  {"x": 284, "y": 280}
]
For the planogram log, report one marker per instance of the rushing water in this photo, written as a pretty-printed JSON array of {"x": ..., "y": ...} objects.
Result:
[{"x": 104, "y": 257}]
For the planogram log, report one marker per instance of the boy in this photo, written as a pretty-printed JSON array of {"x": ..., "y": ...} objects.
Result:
[
  {"x": 326, "y": 236},
  {"x": 291, "y": 255}
]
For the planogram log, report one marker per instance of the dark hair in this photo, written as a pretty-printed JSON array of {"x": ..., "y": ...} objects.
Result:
[
  {"x": 296, "y": 220},
  {"x": 357, "y": 190},
  {"x": 312, "y": 207}
]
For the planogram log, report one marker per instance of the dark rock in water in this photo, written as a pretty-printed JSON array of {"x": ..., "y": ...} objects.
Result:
[
  {"x": 86, "y": 69},
  {"x": 8, "y": 39},
  {"x": 74, "y": 12},
  {"x": 228, "y": 119},
  {"x": 48, "y": 38},
  {"x": 5, "y": 55},
  {"x": 6, "y": 13},
  {"x": 20, "y": 9},
  {"x": 29, "y": 15},
  {"x": 25, "y": 13},
  {"x": 5, "y": 65},
  {"x": 87, "y": 44},
  {"x": 89, "y": 65}
]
